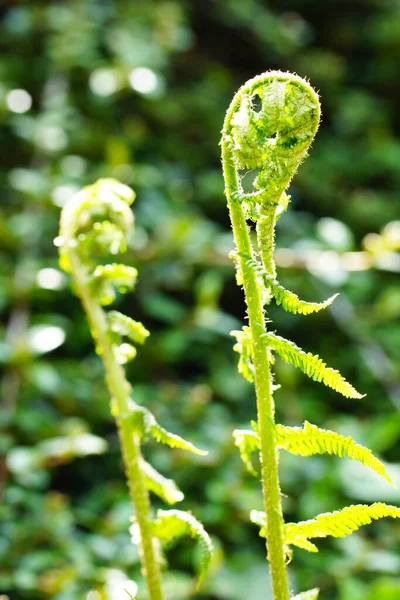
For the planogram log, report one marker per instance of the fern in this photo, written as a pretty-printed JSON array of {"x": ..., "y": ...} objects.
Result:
[
  {"x": 311, "y": 440},
  {"x": 339, "y": 523},
  {"x": 272, "y": 139},
  {"x": 172, "y": 524},
  {"x": 97, "y": 222},
  {"x": 311, "y": 364}
]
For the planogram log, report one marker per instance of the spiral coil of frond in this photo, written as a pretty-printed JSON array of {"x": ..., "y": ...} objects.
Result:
[{"x": 268, "y": 129}]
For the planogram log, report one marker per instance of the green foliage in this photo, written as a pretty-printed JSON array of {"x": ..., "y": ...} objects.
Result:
[
  {"x": 311, "y": 364},
  {"x": 172, "y": 524}
]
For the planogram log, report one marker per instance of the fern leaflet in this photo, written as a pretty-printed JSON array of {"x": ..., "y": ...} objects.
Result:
[
  {"x": 339, "y": 523},
  {"x": 247, "y": 442},
  {"x": 244, "y": 347},
  {"x": 127, "y": 327},
  {"x": 107, "y": 277},
  {"x": 164, "y": 488},
  {"x": 172, "y": 524},
  {"x": 145, "y": 424},
  {"x": 311, "y": 440},
  {"x": 311, "y": 364},
  {"x": 289, "y": 300}
]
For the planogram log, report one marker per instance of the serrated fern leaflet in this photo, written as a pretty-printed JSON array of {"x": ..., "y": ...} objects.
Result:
[
  {"x": 310, "y": 439},
  {"x": 144, "y": 423},
  {"x": 289, "y": 300},
  {"x": 311, "y": 364},
  {"x": 339, "y": 523}
]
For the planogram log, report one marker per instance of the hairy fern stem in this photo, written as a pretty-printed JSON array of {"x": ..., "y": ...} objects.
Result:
[
  {"x": 263, "y": 385},
  {"x": 270, "y": 142},
  {"x": 119, "y": 390},
  {"x": 95, "y": 223}
]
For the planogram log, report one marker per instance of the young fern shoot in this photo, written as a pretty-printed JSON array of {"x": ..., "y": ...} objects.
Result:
[
  {"x": 268, "y": 129},
  {"x": 95, "y": 223}
]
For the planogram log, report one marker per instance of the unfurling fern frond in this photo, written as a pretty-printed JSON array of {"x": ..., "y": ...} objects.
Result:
[
  {"x": 339, "y": 523},
  {"x": 311, "y": 364},
  {"x": 310, "y": 595},
  {"x": 247, "y": 442},
  {"x": 310, "y": 439},
  {"x": 289, "y": 300},
  {"x": 172, "y": 524},
  {"x": 145, "y": 424},
  {"x": 244, "y": 347},
  {"x": 164, "y": 488}
]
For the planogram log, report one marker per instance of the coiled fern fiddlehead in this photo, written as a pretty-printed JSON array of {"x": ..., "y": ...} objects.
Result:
[
  {"x": 267, "y": 131},
  {"x": 96, "y": 222}
]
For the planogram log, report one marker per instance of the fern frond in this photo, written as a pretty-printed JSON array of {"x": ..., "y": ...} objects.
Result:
[
  {"x": 164, "y": 488},
  {"x": 127, "y": 327},
  {"x": 107, "y": 277},
  {"x": 311, "y": 364},
  {"x": 289, "y": 300},
  {"x": 311, "y": 440},
  {"x": 144, "y": 423},
  {"x": 172, "y": 524},
  {"x": 247, "y": 442},
  {"x": 310, "y": 595},
  {"x": 339, "y": 523},
  {"x": 244, "y": 347}
]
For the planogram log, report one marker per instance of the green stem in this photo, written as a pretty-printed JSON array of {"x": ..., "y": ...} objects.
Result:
[
  {"x": 266, "y": 241},
  {"x": 119, "y": 390},
  {"x": 263, "y": 382}
]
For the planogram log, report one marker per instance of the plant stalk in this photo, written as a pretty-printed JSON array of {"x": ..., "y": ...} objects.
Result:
[
  {"x": 119, "y": 390},
  {"x": 263, "y": 383}
]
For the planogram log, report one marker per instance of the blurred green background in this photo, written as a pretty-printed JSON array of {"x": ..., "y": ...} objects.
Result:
[{"x": 137, "y": 90}]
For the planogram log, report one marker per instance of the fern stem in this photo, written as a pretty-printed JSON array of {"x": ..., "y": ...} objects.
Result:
[
  {"x": 266, "y": 241},
  {"x": 263, "y": 381},
  {"x": 119, "y": 390}
]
